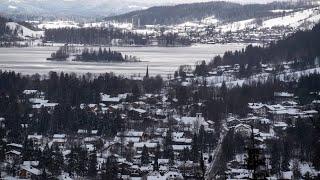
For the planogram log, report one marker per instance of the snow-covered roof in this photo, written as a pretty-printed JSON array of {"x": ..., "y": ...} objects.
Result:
[
  {"x": 255, "y": 105},
  {"x": 59, "y": 136},
  {"x": 28, "y": 92},
  {"x": 310, "y": 112},
  {"x": 94, "y": 131},
  {"x": 82, "y": 131},
  {"x": 180, "y": 147},
  {"x": 316, "y": 102},
  {"x": 14, "y": 152},
  {"x": 31, "y": 163},
  {"x": 140, "y": 111},
  {"x": 188, "y": 120},
  {"x": 108, "y": 98},
  {"x": 276, "y": 107},
  {"x": 15, "y": 145},
  {"x": 35, "y": 136},
  {"x": 31, "y": 170},
  {"x": 147, "y": 144},
  {"x": 280, "y": 124},
  {"x": 127, "y": 139},
  {"x": 283, "y": 94},
  {"x": 38, "y": 100},
  {"x": 131, "y": 134}
]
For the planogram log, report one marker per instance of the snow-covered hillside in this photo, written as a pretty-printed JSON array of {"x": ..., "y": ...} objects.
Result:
[
  {"x": 24, "y": 32},
  {"x": 294, "y": 19},
  {"x": 237, "y": 26},
  {"x": 303, "y": 18}
]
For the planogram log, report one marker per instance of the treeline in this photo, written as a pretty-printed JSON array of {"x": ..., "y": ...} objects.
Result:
[
  {"x": 93, "y": 36},
  {"x": 303, "y": 48},
  {"x": 100, "y": 55},
  {"x": 224, "y": 11},
  {"x": 6, "y": 34},
  {"x": 110, "y": 36},
  {"x": 3, "y": 27},
  {"x": 60, "y": 55},
  {"x": 71, "y": 89},
  {"x": 90, "y": 55}
]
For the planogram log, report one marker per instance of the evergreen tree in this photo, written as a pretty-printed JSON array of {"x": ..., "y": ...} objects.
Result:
[
  {"x": 156, "y": 157},
  {"x": 195, "y": 155},
  {"x": 57, "y": 163},
  {"x": 92, "y": 170},
  {"x": 202, "y": 166},
  {"x": 145, "y": 155},
  {"x": 110, "y": 169},
  {"x": 275, "y": 157},
  {"x": 71, "y": 165}
]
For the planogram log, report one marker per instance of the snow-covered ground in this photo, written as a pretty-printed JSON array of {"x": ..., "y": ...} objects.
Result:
[
  {"x": 281, "y": 10},
  {"x": 24, "y": 32},
  {"x": 58, "y": 24},
  {"x": 210, "y": 20},
  {"x": 295, "y": 19},
  {"x": 237, "y": 26},
  {"x": 231, "y": 81}
]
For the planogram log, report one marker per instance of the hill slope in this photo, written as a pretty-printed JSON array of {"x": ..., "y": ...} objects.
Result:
[{"x": 224, "y": 11}]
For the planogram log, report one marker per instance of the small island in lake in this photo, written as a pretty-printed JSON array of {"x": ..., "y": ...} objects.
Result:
[
  {"x": 90, "y": 55},
  {"x": 62, "y": 54}
]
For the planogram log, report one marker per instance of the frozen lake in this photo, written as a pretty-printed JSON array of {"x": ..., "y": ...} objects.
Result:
[{"x": 161, "y": 60}]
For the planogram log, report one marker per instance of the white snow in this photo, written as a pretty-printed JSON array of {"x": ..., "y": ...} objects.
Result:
[
  {"x": 210, "y": 20},
  {"x": 295, "y": 19},
  {"x": 24, "y": 32},
  {"x": 236, "y": 26},
  {"x": 12, "y": 7},
  {"x": 58, "y": 24},
  {"x": 281, "y": 10}
]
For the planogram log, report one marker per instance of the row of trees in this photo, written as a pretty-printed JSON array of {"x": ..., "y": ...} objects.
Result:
[
  {"x": 100, "y": 56},
  {"x": 110, "y": 36},
  {"x": 92, "y": 36}
]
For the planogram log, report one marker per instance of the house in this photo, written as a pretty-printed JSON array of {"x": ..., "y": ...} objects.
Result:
[
  {"x": 108, "y": 99},
  {"x": 178, "y": 138},
  {"x": 283, "y": 96},
  {"x": 192, "y": 123},
  {"x": 258, "y": 109},
  {"x": 171, "y": 175},
  {"x": 131, "y": 136},
  {"x": 151, "y": 146},
  {"x": 29, "y": 172},
  {"x": 36, "y": 139},
  {"x": 232, "y": 121},
  {"x": 13, "y": 156},
  {"x": 137, "y": 114},
  {"x": 38, "y": 103},
  {"x": 243, "y": 129},
  {"x": 59, "y": 139},
  {"x": 28, "y": 93}
]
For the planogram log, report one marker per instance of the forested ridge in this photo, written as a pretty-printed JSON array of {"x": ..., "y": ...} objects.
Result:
[{"x": 224, "y": 11}]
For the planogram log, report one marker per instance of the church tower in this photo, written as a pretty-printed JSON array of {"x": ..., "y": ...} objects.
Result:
[{"x": 147, "y": 73}]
